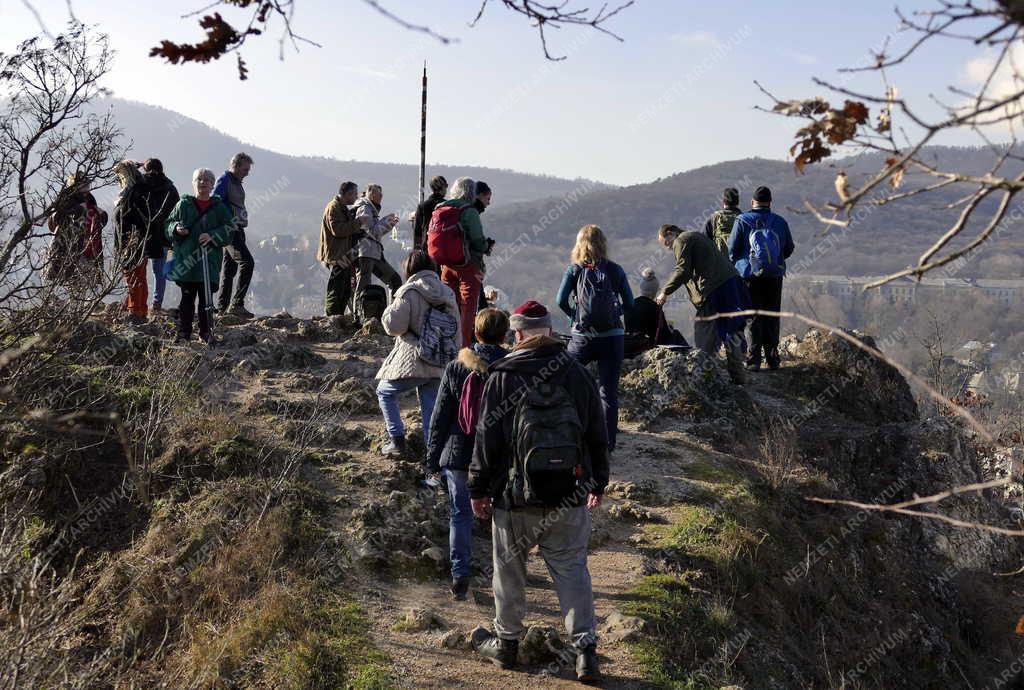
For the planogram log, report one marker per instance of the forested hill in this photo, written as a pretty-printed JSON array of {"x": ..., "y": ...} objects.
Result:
[
  {"x": 293, "y": 190},
  {"x": 882, "y": 238}
]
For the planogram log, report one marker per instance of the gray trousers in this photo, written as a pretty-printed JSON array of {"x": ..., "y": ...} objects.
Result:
[
  {"x": 563, "y": 536},
  {"x": 705, "y": 337}
]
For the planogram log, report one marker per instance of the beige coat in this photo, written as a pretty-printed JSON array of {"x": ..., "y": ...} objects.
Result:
[{"x": 403, "y": 319}]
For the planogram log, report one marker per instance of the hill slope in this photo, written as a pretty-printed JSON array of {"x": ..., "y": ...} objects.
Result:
[{"x": 260, "y": 540}]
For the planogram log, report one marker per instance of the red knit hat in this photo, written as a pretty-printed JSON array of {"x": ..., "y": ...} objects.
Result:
[{"x": 529, "y": 315}]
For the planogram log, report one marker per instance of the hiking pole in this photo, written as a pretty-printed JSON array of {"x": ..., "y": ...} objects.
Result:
[{"x": 207, "y": 293}]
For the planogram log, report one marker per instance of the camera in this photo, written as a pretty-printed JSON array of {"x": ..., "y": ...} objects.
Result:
[{"x": 490, "y": 246}]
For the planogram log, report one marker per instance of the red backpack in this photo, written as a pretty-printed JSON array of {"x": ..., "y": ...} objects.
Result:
[
  {"x": 469, "y": 402},
  {"x": 447, "y": 244}
]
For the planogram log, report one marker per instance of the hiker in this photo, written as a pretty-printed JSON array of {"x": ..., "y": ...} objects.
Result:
[
  {"x": 423, "y": 318},
  {"x": 463, "y": 274},
  {"x": 453, "y": 430},
  {"x": 77, "y": 226},
  {"x": 719, "y": 225},
  {"x": 593, "y": 294},
  {"x": 237, "y": 257},
  {"x": 539, "y": 402},
  {"x": 371, "y": 260},
  {"x": 421, "y": 219},
  {"x": 339, "y": 230},
  {"x": 647, "y": 317},
  {"x": 714, "y": 288},
  {"x": 130, "y": 237},
  {"x": 203, "y": 220},
  {"x": 759, "y": 245},
  {"x": 159, "y": 198}
]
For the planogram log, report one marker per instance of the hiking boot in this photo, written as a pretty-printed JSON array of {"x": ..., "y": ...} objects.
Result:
[
  {"x": 587, "y": 670},
  {"x": 136, "y": 319},
  {"x": 501, "y": 652},
  {"x": 753, "y": 365},
  {"x": 394, "y": 447},
  {"x": 241, "y": 312},
  {"x": 460, "y": 588},
  {"x": 208, "y": 338},
  {"x": 773, "y": 364}
]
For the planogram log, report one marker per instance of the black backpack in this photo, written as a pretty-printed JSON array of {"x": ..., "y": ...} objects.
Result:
[
  {"x": 547, "y": 447},
  {"x": 597, "y": 303},
  {"x": 373, "y": 300}
]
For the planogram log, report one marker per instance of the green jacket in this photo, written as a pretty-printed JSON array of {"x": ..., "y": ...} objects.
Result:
[
  {"x": 217, "y": 222},
  {"x": 699, "y": 266},
  {"x": 473, "y": 229}
]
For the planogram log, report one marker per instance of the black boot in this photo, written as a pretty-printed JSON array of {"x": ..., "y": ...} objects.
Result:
[
  {"x": 586, "y": 665},
  {"x": 501, "y": 652},
  {"x": 460, "y": 587}
]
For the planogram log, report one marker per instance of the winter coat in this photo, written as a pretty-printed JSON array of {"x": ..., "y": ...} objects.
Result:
[
  {"x": 130, "y": 227},
  {"x": 230, "y": 189},
  {"x": 739, "y": 239},
  {"x": 403, "y": 319},
  {"x": 473, "y": 230},
  {"x": 217, "y": 222},
  {"x": 422, "y": 221},
  {"x": 620, "y": 284},
  {"x": 77, "y": 230},
  {"x": 159, "y": 198},
  {"x": 699, "y": 266},
  {"x": 534, "y": 360},
  {"x": 338, "y": 226},
  {"x": 719, "y": 227},
  {"x": 370, "y": 247},
  {"x": 448, "y": 447}
]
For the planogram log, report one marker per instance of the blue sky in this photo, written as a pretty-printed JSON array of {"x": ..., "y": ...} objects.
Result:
[{"x": 677, "y": 94}]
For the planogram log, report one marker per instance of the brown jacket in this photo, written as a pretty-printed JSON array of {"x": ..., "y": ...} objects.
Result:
[
  {"x": 699, "y": 266},
  {"x": 336, "y": 230}
]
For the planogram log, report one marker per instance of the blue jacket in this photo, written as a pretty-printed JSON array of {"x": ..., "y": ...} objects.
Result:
[
  {"x": 739, "y": 239},
  {"x": 447, "y": 446},
  {"x": 620, "y": 284}
]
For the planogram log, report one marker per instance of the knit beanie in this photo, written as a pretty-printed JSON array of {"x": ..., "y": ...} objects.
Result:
[
  {"x": 530, "y": 315},
  {"x": 649, "y": 284}
]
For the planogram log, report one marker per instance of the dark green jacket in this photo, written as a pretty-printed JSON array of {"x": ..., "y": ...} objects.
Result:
[
  {"x": 217, "y": 222},
  {"x": 699, "y": 266},
  {"x": 719, "y": 227}
]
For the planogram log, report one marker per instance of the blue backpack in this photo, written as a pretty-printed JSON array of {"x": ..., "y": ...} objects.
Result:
[
  {"x": 765, "y": 252},
  {"x": 597, "y": 303}
]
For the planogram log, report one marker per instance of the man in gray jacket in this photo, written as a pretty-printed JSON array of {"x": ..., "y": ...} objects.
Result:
[
  {"x": 371, "y": 260},
  {"x": 236, "y": 255}
]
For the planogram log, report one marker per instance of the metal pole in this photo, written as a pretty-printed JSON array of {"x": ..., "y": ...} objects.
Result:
[
  {"x": 207, "y": 292},
  {"x": 423, "y": 135}
]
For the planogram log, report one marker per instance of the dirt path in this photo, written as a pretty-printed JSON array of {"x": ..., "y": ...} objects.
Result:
[{"x": 419, "y": 659}]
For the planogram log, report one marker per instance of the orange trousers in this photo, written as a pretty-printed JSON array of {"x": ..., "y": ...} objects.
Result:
[
  {"x": 466, "y": 282},
  {"x": 138, "y": 290}
]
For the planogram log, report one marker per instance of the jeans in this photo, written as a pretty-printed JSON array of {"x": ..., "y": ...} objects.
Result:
[
  {"x": 607, "y": 351},
  {"x": 388, "y": 391},
  {"x": 460, "y": 522},
  {"x": 466, "y": 282},
  {"x": 237, "y": 259},
  {"x": 766, "y": 294},
  {"x": 159, "y": 280}
]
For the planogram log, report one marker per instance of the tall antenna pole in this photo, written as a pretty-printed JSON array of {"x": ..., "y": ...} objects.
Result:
[
  {"x": 423, "y": 135},
  {"x": 418, "y": 241}
]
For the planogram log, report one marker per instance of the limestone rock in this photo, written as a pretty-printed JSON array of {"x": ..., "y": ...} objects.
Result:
[
  {"x": 621, "y": 628},
  {"x": 455, "y": 639},
  {"x": 419, "y": 620},
  {"x": 632, "y": 511},
  {"x": 541, "y": 644}
]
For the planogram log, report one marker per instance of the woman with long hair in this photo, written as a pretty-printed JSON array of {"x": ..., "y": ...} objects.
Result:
[
  {"x": 130, "y": 235},
  {"x": 593, "y": 294}
]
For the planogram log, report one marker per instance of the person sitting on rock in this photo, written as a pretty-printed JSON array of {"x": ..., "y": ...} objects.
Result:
[
  {"x": 647, "y": 317},
  {"x": 453, "y": 431},
  {"x": 539, "y": 404},
  {"x": 714, "y": 288},
  {"x": 404, "y": 369}
]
